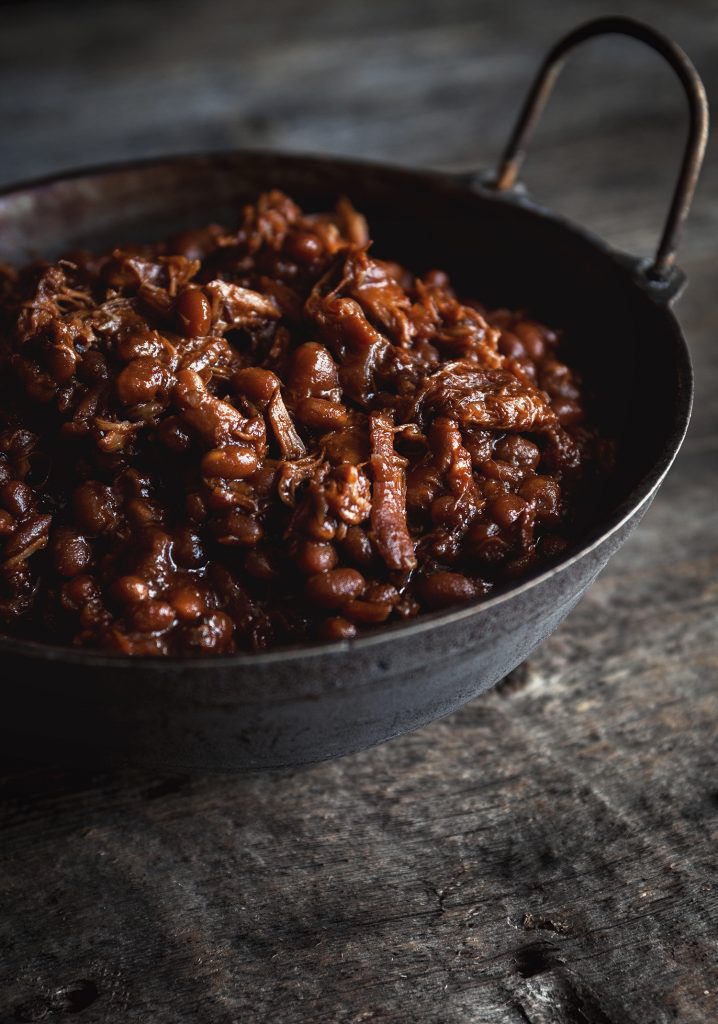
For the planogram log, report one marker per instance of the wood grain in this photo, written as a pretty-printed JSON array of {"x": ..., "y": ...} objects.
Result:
[{"x": 548, "y": 854}]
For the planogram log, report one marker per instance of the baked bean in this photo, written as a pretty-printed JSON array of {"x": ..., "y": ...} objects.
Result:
[
  {"x": 188, "y": 602},
  {"x": 366, "y": 613},
  {"x": 233, "y": 462},
  {"x": 61, "y": 362},
  {"x": 194, "y": 312},
  {"x": 7, "y": 523},
  {"x": 71, "y": 552},
  {"x": 141, "y": 380},
  {"x": 544, "y": 493},
  {"x": 151, "y": 616},
  {"x": 258, "y": 385},
  {"x": 77, "y": 592},
  {"x": 259, "y": 565},
  {"x": 93, "y": 615},
  {"x": 333, "y": 588},
  {"x": 92, "y": 367},
  {"x": 130, "y": 590},
  {"x": 17, "y": 498},
  {"x": 511, "y": 345},
  {"x": 237, "y": 529},
  {"x": 356, "y": 548},
  {"x": 315, "y": 557},
  {"x": 518, "y": 450},
  {"x": 208, "y": 480},
  {"x": 95, "y": 507},
  {"x": 423, "y": 487},
  {"x": 443, "y": 510},
  {"x": 337, "y": 628},
  {"x": 531, "y": 339},
  {"x": 313, "y": 373},
  {"x": 173, "y": 435},
  {"x": 303, "y": 247},
  {"x": 384, "y": 592},
  {"x": 568, "y": 411},
  {"x": 212, "y": 636},
  {"x": 507, "y": 509},
  {"x": 141, "y": 512},
  {"x": 321, "y": 414},
  {"x": 188, "y": 549},
  {"x": 442, "y": 589},
  {"x": 196, "y": 507}
]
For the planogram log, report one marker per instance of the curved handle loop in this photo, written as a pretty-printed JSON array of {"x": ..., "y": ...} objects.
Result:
[{"x": 515, "y": 152}]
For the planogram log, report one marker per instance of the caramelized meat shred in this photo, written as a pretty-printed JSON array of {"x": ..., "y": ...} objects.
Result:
[{"x": 241, "y": 438}]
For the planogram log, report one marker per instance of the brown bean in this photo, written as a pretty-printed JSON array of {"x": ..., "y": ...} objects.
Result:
[
  {"x": 568, "y": 410},
  {"x": 237, "y": 529},
  {"x": 511, "y": 345},
  {"x": 95, "y": 507},
  {"x": 129, "y": 590},
  {"x": 93, "y": 615},
  {"x": 61, "y": 362},
  {"x": 544, "y": 493},
  {"x": 151, "y": 616},
  {"x": 259, "y": 566},
  {"x": 173, "y": 435},
  {"x": 531, "y": 338},
  {"x": 196, "y": 507},
  {"x": 334, "y": 588},
  {"x": 313, "y": 373},
  {"x": 366, "y": 613},
  {"x": 507, "y": 509},
  {"x": 194, "y": 312},
  {"x": 518, "y": 450},
  {"x": 256, "y": 384},
  {"x": 7, "y": 523},
  {"x": 321, "y": 414},
  {"x": 337, "y": 628},
  {"x": 443, "y": 589},
  {"x": 142, "y": 512},
  {"x": 443, "y": 510},
  {"x": 232, "y": 462},
  {"x": 188, "y": 548},
  {"x": 356, "y": 547},
  {"x": 188, "y": 602},
  {"x": 384, "y": 592},
  {"x": 303, "y": 247},
  {"x": 71, "y": 552},
  {"x": 141, "y": 380},
  {"x": 314, "y": 557},
  {"x": 77, "y": 592},
  {"x": 92, "y": 367},
  {"x": 17, "y": 498},
  {"x": 213, "y": 635}
]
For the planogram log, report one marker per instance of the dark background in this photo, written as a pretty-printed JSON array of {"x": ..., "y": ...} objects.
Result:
[{"x": 548, "y": 854}]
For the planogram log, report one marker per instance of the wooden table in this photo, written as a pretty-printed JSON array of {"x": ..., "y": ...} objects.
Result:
[{"x": 545, "y": 856}]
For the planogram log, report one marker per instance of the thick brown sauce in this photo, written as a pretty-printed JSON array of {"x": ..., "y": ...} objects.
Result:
[{"x": 239, "y": 439}]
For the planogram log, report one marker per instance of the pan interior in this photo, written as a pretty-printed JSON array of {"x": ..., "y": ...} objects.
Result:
[{"x": 501, "y": 252}]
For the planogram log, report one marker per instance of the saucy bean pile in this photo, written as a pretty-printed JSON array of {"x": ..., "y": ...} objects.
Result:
[{"x": 239, "y": 439}]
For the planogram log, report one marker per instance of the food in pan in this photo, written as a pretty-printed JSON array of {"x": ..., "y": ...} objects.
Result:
[{"x": 246, "y": 438}]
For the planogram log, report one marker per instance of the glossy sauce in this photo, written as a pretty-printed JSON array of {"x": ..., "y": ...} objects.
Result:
[{"x": 240, "y": 439}]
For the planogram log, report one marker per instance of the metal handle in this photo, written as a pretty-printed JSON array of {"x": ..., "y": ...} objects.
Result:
[{"x": 515, "y": 152}]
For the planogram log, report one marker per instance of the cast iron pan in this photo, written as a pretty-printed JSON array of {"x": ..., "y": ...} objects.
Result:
[{"x": 300, "y": 705}]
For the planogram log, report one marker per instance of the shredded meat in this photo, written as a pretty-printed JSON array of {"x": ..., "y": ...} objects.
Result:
[
  {"x": 256, "y": 435},
  {"x": 390, "y": 531}
]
